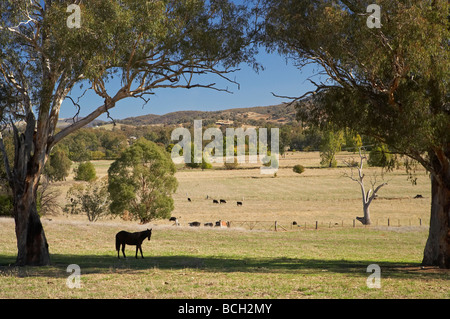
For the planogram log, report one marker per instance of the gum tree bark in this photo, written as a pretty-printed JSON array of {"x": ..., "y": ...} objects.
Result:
[{"x": 437, "y": 248}]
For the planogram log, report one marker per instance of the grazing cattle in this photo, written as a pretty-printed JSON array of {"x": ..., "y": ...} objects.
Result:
[
  {"x": 418, "y": 196},
  {"x": 215, "y": 201},
  {"x": 239, "y": 203},
  {"x": 208, "y": 224},
  {"x": 223, "y": 201},
  {"x": 195, "y": 224},
  {"x": 189, "y": 199},
  {"x": 221, "y": 223},
  {"x": 174, "y": 219},
  {"x": 294, "y": 223},
  {"x": 125, "y": 238}
]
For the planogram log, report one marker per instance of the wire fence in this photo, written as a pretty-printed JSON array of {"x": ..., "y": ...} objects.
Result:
[{"x": 294, "y": 225}]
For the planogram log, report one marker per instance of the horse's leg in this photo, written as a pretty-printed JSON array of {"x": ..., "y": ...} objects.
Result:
[
  {"x": 140, "y": 248},
  {"x": 123, "y": 251},
  {"x": 137, "y": 247}
]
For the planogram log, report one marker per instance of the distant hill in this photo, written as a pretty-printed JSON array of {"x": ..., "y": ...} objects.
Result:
[{"x": 281, "y": 113}]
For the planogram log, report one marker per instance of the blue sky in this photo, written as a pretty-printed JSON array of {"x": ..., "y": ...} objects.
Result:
[{"x": 279, "y": 76}]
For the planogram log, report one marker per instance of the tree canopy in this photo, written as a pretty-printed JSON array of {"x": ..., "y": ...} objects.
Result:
[
  {"x": 120, "y": 49},
  {"x": 391, "y": 83},
  {"x": 142, "y": 181}
]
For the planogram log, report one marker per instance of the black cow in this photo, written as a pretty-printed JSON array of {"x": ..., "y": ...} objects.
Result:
[
  {"x": 223, "y": 201},
  {"x": 215, "y": 201},
  {"x": 239, "y": 203},
  {"x": 195, "y": 224}
]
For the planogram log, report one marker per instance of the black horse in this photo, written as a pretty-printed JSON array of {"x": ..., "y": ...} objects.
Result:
[{"x": 135, "y": 239}]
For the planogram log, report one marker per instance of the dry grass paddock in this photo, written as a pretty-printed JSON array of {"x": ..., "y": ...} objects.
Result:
[{"x": 204, "y": 262}]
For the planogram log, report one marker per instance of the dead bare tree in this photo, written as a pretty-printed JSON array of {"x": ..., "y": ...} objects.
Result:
[{"x": 371, "y": 194}]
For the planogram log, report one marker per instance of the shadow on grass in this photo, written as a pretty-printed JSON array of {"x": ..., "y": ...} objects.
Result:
[{"x": 107, "y": 264}]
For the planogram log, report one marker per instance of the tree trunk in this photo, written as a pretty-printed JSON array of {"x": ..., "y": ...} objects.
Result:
[
  {"x": 366, "y": 219},
  {"x": 437, "y": 248},
  {"x": 32, "y": 246},
  {"x": 29, "y": 159}
]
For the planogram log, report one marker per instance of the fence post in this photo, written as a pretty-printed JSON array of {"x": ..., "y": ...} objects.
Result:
[
  {"x": 353, "y": 223},
  {"x": 275, "y": 225},
  {"x": 389, "y": 223},
  {"x": 420, "y": 221},
  {"x": 317, "y": 224}
]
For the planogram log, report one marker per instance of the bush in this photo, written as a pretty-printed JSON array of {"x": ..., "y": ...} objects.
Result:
[
  {"x": 233, "y": 165},
  {"x": 298, "y": 169},
  {"x": 85, "y": 172},
  {"x": 6, "y": 205},
  {"x": 58, "y": 166},
  {"x": 92, "y": 199},
  {"x": 270, "y": 161}
]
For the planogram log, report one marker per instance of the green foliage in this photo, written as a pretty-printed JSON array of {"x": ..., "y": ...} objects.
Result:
[
  {"x": 390, "y": 83},
  {"x": 142, "y": 182},
  {"x": 331, "y": 144},
  {"x": 270, "y": 160},
  {"x": 6, "y": 205},
  {"x": 85, "y": 172},
  {"x": 58, "y": 166},
  {"x": 91, "y": 199},
  {"x": 380, "y": 156},
  {"x": 192, "y": 164},
  {"x": 298, "y": 168},
  {"x": 205, "y": 164},
  {"x": 231, "y": 166},
  {"x": 353, "y": 141}
]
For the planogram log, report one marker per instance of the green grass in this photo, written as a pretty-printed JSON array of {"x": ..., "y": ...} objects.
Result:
[
  {"x": 183, "y": 262},
  {"x": 225, "y": 263}
]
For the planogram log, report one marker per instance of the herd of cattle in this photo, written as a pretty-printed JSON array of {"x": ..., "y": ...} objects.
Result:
[{"x": 219, "y": 223}]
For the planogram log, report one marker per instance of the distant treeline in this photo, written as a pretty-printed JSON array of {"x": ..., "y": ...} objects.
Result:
[{"x": 98, "y": 143}]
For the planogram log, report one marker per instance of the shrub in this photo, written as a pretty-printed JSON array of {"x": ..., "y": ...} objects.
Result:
[
  {"x": 85, "y": 172},
  {"x": 298, "y": 169},
  {"x": 233, "y": 165},
  {"x": 58, "y": 166},
  {"x": 91, "y": 199},
  {"x": 6, "y": 205}
]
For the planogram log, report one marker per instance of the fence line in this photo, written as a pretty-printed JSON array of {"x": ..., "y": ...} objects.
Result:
[{"x": 288, "y": 226}]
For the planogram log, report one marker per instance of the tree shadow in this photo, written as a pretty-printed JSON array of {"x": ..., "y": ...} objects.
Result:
[{"x": 107, "y": 264}]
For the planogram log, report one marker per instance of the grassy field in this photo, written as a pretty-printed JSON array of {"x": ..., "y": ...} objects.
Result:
[{"x": 185, "y": 262}]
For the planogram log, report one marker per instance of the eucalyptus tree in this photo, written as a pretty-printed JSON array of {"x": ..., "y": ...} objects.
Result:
[
  {"x": 141, "y": 181},
  {"x": 383, "y": 71},
  {"x": 118, "y": 49}
]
